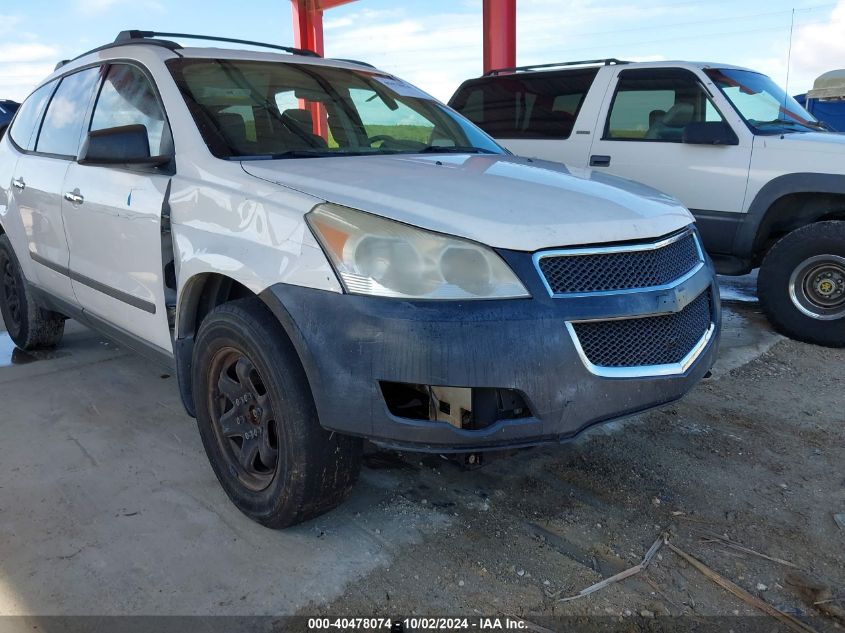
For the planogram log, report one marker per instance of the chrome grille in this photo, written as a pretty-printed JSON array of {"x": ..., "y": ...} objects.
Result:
[
  {"x": 646, "y": 341},
  {"x": 615, "y": 268}
]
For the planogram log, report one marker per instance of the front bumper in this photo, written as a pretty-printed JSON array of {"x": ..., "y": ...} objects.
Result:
[{"x": 349, "y": 343}]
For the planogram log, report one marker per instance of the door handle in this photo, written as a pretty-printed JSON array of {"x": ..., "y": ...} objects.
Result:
[
  {"x": 75, "y": 198},
  {"x": 19, "y": 184},
  {"x": 597, "y": 160}
]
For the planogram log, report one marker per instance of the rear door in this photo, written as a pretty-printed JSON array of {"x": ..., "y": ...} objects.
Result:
[
  {"x": 640, "y": 136},
  {"x": 50, "y": 147},
  {"x": 113, "y": 216},
  {"x": 532, "y": 114}
]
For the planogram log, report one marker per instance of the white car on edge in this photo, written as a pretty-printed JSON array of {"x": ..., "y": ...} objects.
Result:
[{"x": 325, "y": 254}]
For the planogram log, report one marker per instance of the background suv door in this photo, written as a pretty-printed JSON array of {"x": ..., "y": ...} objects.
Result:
[
  {"x": 644, "y": 126},
  {"x": 113, "y": 217},
  {"x": 50, "y": 142}
]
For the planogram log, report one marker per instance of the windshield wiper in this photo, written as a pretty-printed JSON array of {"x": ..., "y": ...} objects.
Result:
[
  {"x": 454, "y": 149},
  {"x": 784, "y": 125},
  {"x": 294, "y": 153}
]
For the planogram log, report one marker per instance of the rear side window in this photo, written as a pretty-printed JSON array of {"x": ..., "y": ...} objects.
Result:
[
  {"x": 128, "y": 98},
  {"x": 25, "y": 127},
  {"x": 61, "y": 131},
  {"x": 538, "y": 106},
  {"x": 657, "y": 104}
]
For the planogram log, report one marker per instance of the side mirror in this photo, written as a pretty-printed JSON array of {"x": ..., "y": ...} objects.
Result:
[
  {"x": 710, "y": 133},
  {"x": 124, "y": 145}
]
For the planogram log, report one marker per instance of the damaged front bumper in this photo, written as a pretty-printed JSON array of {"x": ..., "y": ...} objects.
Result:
[{"x": 511, "y": 373}]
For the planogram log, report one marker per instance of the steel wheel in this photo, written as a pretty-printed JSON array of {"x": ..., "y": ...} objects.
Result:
[
  {"x": 12, "y": 296},
  {"x": 244, "y": 419},
  {"x": 817, "y": 287}
]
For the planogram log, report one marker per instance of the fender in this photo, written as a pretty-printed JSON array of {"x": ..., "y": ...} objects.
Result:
[{"x": 753, "y": 229}]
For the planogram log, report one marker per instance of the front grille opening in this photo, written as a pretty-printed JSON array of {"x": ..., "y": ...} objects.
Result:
[
  {"x": 462, "y": 407},
  {"x": 625, "y": 270},
  {"x": 658, "y": 340}
]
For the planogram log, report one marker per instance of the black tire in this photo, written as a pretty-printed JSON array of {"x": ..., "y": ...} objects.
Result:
[
  {"x": 801, "y": 284},
  {"x": 29, "y": 325},
  {"x": 252, "y": 396}
]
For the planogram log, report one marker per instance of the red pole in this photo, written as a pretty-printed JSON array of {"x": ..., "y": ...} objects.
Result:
[
  {"x": 499, "y": 34},
  {"x": 308, "y": 22},
  {"x": 307, "y": 25},
  {"x": 308, "y": 35}
]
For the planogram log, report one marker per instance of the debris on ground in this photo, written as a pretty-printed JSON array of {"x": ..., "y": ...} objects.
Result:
[
  {"x": 750, "y": 599},
  {"x": 649, "y": 555}
]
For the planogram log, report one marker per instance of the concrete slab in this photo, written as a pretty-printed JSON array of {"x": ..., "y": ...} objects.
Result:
[{"x": 108, "y": 504}]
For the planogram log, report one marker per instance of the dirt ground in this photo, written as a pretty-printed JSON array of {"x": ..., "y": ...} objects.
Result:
[{"x": 754, "y": 458}]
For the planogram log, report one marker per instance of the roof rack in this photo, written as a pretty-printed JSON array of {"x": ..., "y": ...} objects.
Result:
[
  {"x": 132, "y": 37},
  {"x": 515, "y": 69},
  {"x": 146, "y": 37}
]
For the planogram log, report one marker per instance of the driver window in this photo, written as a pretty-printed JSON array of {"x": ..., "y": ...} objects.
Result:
[
  {"x": 401, "y": 124},
  {"x": 128, "y": 98},
  {"x": 656, "y": 105}
]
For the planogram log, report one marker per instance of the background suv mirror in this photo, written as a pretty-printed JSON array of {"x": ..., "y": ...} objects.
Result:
[
  {"x": 124, "y": 145},
  {"x": 710, "y": 133}
]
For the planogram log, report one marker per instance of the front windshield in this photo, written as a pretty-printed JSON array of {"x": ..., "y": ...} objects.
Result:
[
  {"x": 263, "y": 110},
  {"x": 762, "y": 103}
]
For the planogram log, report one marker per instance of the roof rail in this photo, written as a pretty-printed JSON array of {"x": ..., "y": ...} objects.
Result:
[
  {"x": 353, "y": 61},
  {"x": 515, "y": 69},
  {"x": 133, "y": 37}
]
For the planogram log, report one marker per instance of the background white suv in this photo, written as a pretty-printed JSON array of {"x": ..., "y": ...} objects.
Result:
[
  {"x": 764, "y": 180},
  {"x": 326, "y": 254}
]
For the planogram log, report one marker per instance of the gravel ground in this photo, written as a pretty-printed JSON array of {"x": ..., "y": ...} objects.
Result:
[{"x": 752, "y": 458}]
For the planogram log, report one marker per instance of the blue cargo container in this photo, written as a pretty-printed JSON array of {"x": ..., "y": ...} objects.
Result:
[{"x": 826, "y": 101}]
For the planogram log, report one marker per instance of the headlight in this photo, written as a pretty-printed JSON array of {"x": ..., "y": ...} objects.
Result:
[{"x": 376, "y": 256}]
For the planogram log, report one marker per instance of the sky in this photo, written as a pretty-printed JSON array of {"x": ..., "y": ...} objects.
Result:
[{"x": 436, "y": 44}]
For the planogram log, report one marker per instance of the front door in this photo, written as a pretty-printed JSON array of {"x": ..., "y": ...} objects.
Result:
[
  {"x": 113, "y": 217},
  {"x": 642, "y": 139}
]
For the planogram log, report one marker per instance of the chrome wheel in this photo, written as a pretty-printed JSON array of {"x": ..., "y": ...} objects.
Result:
[{"x": 817, "y": 287}]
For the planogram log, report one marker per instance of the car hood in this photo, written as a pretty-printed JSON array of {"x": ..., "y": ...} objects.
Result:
[
  {"x": 502, "y": 201},
  {"x": 827, "y": 142}
]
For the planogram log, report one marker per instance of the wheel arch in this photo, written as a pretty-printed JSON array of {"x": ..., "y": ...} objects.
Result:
[
  {"x": 785, "y": 204},
  {"x": 199, "y": 295}
]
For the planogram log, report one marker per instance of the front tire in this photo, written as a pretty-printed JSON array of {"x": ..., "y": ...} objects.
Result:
[
  {"x": 801, "y": 284},
  {"x": 29, "y": 325},
  {"x": 258, "y": 422}
]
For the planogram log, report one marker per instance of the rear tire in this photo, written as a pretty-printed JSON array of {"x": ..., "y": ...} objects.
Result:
[
  {"x": 29, "y": 325},
  {"x": 801, "y": 284},
  {"x": 258, "y": 422}
]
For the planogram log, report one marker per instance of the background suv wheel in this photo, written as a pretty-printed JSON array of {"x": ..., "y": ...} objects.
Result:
[
  {"x": 29, "y": 325},
  {"x": 801, "y": 284},
  {"x": 258, "y": 422}
]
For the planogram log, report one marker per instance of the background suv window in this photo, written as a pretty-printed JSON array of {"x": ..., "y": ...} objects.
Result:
[
  {"x": 25, "y": 127},
  {"x": 656, "y": 105},
  {"x": 541, "y": 105},
  {"x": 128, "y": 98},
  {"x": 61, "y": 131}
]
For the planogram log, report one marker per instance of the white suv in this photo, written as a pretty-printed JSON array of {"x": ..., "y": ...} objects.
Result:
[
  {"x": 764, "y": 180},
  {"x": 325, "y": 253}
]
